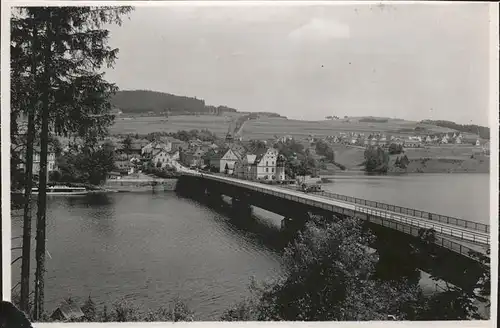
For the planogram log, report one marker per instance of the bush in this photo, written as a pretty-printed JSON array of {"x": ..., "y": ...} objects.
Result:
[
  {"x": 395, "y": 149},
  {"x": 125, "y": 311},
  {"x": 376, "y": 160}
]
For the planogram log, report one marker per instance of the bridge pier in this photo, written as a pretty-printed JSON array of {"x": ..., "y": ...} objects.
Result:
[{"x": 241, "y": 205}]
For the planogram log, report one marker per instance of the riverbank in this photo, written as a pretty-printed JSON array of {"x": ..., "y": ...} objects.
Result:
[{"x": 141, "y": 185}]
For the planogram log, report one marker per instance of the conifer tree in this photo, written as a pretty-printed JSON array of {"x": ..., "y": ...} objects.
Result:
[{"x": 69, "y": 48}]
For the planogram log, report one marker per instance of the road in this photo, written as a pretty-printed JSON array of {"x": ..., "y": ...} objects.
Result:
[{"x": 442, "y": 228}]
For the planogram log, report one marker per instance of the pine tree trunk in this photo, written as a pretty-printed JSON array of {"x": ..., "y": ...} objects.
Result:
[
  {"x": 42, "y": 188},
  {"x": 28, "y": 184}
]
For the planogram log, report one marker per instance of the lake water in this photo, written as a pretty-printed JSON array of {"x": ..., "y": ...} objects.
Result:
[
  {"x": 150, "y": 248},
  {"x": 464, "y": 196}
]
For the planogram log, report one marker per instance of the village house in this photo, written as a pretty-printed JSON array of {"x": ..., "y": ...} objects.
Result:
[
  {"x": 113, "y": 175},
  {"x": 192, "y": 158},
  {"x": 67, "y": 310},
  {"x": 280, "y": 168},
  {"x": 398, "y": 141},
  {"x": 444, "y": 139},
  {"x": 51, "y": 161},
  {"x": 243, "y": 166},
  {"x": 382, "y": 141},
  {"x": 428, "y": 139},
  {"x": 411, "y": 143},
  {"x": 212, "y": 159},
  {"x": 458, "y": 139},
  {"x": 264, "y": 166},
  {"x": 195, "y": 144},
  {"x": 164, "y": 158},
  {"x": 228, "y": 160},
  {"x": 137, "y": 145},
  {"x": 286, "y": 138},
  {"x": 124, "y": 166},
  {"x": 154, "y": 147}
]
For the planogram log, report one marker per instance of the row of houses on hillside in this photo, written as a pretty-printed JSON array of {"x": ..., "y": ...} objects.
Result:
[{"x": 383, "y": 140}]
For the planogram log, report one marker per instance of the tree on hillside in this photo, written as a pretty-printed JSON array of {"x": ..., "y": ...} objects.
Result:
[
  {"x": 395, "y": 149},
  {"x": 397, "y": 162},
  {"x": 329, "y": 276},
  {"x": 127, "y": 145},
  {"x": 324, "y": 149},
  {"x": 376, "y": 160},
  {"x": 67, "y": 92},
  {"x": 257, "y": 145}
]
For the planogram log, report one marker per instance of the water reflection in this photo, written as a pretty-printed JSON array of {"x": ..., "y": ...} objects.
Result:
[{"x": 149, "y": 248}]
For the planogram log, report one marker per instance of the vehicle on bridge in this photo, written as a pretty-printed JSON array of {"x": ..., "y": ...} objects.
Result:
[{"x": 310, "y": 187}]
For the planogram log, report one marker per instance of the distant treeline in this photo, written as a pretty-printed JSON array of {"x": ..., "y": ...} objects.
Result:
[
  {"x": 374, "y": 120},
  {"x": 484, "y": 132},
  {"x": 144, "y": 101},
  {"x": 254, "y": 115}
]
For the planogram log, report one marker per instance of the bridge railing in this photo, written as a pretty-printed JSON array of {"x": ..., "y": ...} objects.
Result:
[
  {"x": 407, "y": 226},
  {"x": 457, "y": 233},
  {"x": 408, "y": 211},
  {"x": 440, "y": 241}
]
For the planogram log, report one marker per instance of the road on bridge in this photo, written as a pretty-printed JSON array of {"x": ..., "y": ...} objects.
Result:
[{"x": 456, "y": 232}]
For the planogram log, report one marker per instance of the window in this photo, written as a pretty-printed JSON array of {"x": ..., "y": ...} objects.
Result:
[
  {"x": 272, "y": 169},
  {"x": 267, "y": 169},
  {"x": 267, "y": 163}
]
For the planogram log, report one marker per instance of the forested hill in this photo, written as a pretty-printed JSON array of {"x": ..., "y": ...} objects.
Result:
[
  {"x": 484, "y": 132},
  {"x": 145, "y": 101}
]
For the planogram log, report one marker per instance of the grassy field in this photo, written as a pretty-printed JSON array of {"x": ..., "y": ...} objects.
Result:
[
  {"x": 265, "y": 128},
  {"x": 446, "y": 158},
  {"x": 147, "y": 124}
]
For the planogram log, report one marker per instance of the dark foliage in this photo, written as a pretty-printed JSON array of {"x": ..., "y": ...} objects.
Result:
[
  {"x": 374, "y": 120},
  {"x": 88, "y": 166},
  {"x": 376, "y": 160},
  {"x": 324, "y": 149},
  {"x": 484, "y": 132},
  {"x": 144, "y": 101},
  {"x": 395, "y": 149}
]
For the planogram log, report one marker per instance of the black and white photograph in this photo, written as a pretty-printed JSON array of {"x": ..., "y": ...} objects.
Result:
[{"x": 249, "y": 161}]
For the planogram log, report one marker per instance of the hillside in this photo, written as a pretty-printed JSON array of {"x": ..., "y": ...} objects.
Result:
[
  {"x": 145, "y": 101},
  {"x": 483, "y": 131}
]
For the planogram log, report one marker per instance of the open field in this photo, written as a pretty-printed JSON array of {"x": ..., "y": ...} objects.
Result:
[
  {"x": 265, "y": 128},
  {"x": 446, "y": 158},
  {"x": 147, "y": 124}
]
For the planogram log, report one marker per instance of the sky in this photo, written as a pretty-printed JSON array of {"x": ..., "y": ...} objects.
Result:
[{"x": 410, "y": 61}]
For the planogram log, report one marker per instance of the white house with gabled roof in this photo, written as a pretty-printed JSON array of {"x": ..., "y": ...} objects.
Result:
[
  {"x": 228, "y": 160},
  {"x": 264, "y": 166}
]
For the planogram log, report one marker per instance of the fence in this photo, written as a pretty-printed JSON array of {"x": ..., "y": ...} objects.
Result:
[
  {"x": 408, "y": 211},
  {"x": 462, "y": 234},
  {"x": 440, "y": 241},
  {"x": 386, "y": 219},
  {"x": 457, "y": 233}
]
